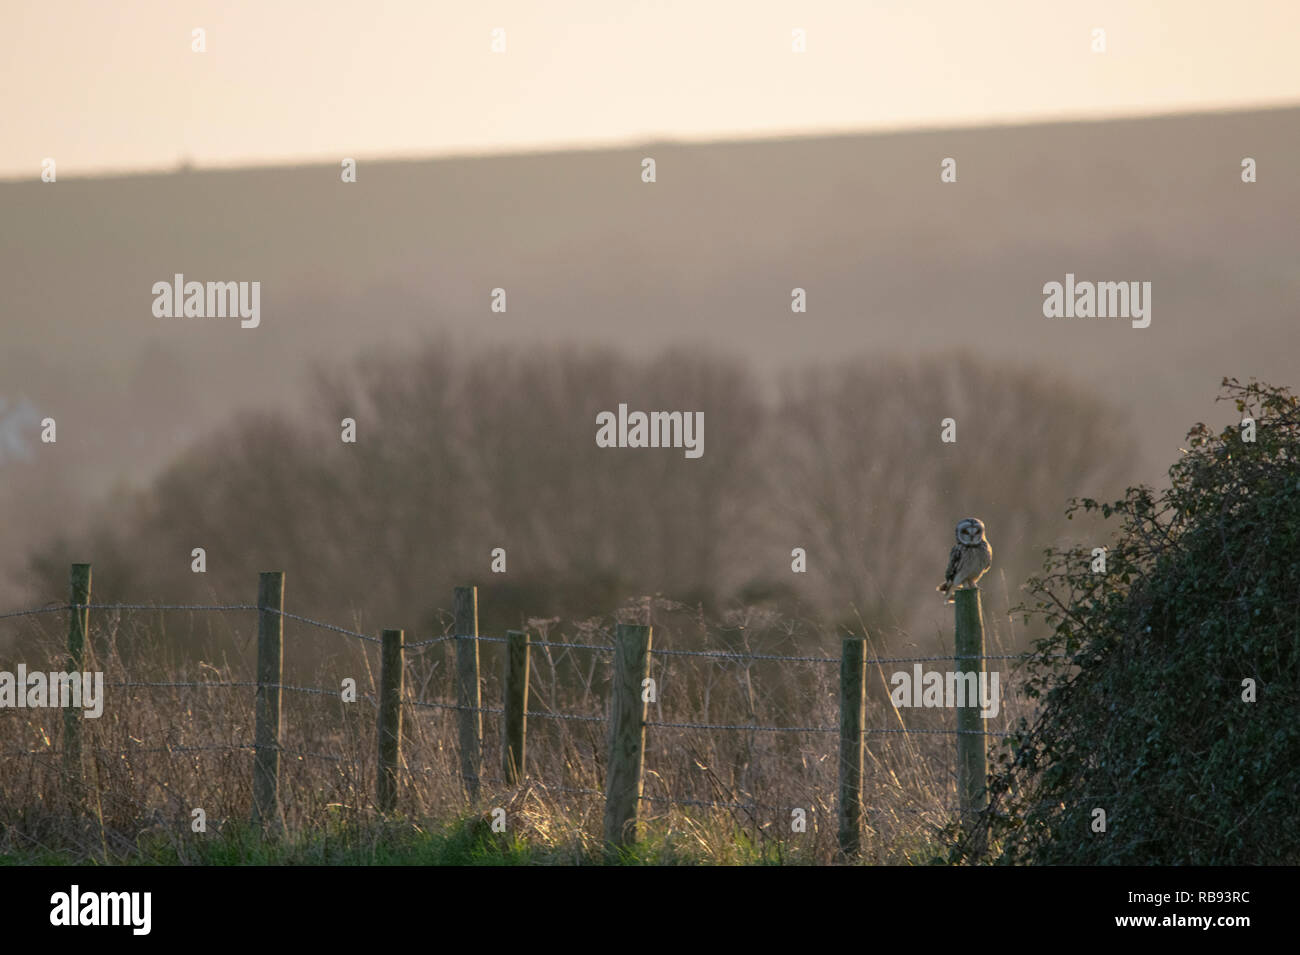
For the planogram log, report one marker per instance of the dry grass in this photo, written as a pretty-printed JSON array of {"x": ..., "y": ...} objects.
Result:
[{"x": 158, "y": 753}]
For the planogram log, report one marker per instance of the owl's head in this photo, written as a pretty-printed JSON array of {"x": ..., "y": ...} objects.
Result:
[{"x": 970, "y": 531}]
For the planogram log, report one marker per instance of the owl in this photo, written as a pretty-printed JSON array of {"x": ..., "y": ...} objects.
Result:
[{"x": 971, "y": 556}]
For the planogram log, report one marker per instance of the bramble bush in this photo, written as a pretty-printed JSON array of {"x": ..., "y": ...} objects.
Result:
[{"x": 1143, "y": 706}]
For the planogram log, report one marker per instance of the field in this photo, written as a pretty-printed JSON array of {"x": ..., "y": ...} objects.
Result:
[{"x": 178, "y": 737}]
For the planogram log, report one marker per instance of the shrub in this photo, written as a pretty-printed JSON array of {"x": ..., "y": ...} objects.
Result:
[{"x": 1143, "y": 708}]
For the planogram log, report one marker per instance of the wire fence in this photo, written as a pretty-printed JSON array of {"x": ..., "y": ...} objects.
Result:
[
  {"x": 721, "y": 655},
  {"x": 606, "y": 648}
]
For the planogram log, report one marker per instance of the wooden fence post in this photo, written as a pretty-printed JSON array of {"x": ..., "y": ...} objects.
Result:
[
  {"x": 78, "y": 631},
  {"x": 626, "y": 734},
  {"x": 972, "y": 764},
  {"x": 468, "y": 694},
  {"x": 852, "y": 702},
  {"x": 266, "y": 737},
  {"x": 513, "y": 753},
  {"x": 390, "y": 718}
]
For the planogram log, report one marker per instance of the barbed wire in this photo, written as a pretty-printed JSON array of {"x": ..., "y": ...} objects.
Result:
[
  {"x": 433, "y": 704},
  {"x": 104, "y": 751},
  {"x": 531, "y": 643},
  {"x": 207, "y": 748},
  {"x": 712, "y": 804},
  {"x": 747, "y": 727},
  {"x": 225, "y": 684},
  {"x": 424, "y": 643},
  {"x": 960, "y": 656},
  {"x": 569, "y": 716},
  {"x": 571, "y": 646},
  {"x": 569, "y": 789},
  {"x": 32, "y": 752},
  {"x": 451, "y": 774},
  {"x": 700, "y": 803},
  {"x": 907, "y": 730},
  {"x": 448, "y": 774},
  {"x": 305, "y": 755},
  {"x": 231, "y": 747},
  {"x": 916, "y": 810},
  {"x": 697, "y": 803},
  {"x": 453, "y": 636},
  {"x": 744, "y": 726},
  {"x": 325, "y": 626},
  {"x": 162, "y": 607},
  {"x": 730, "y": 655},
  {"x": 201, "y": 684},
  {"x": 321, "y": 691},
  {"x": 33, "y": 612},
  {"x": 716, "y": 654}
]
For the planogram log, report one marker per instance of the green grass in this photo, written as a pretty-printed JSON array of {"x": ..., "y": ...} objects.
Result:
[
  {"x": 466, "y": 841},
  {"x": 388, "y": 842}
]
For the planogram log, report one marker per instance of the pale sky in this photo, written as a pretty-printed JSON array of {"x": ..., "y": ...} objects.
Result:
[{"x": 113, "y": 85}]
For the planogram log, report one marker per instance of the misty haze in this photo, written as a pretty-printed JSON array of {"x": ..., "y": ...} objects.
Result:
[{"x": 595, "y": 433}]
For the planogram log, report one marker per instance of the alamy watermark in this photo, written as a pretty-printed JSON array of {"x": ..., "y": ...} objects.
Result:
[
  {"x": 656, "y": 429},
  {"x": 1073, "y": 299},
  {"x": 75, "y": 907},
  {"x": 950, "y": 689},
  {"x": 181, "y": 299},
  {"x": 37, "y": 690}
]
